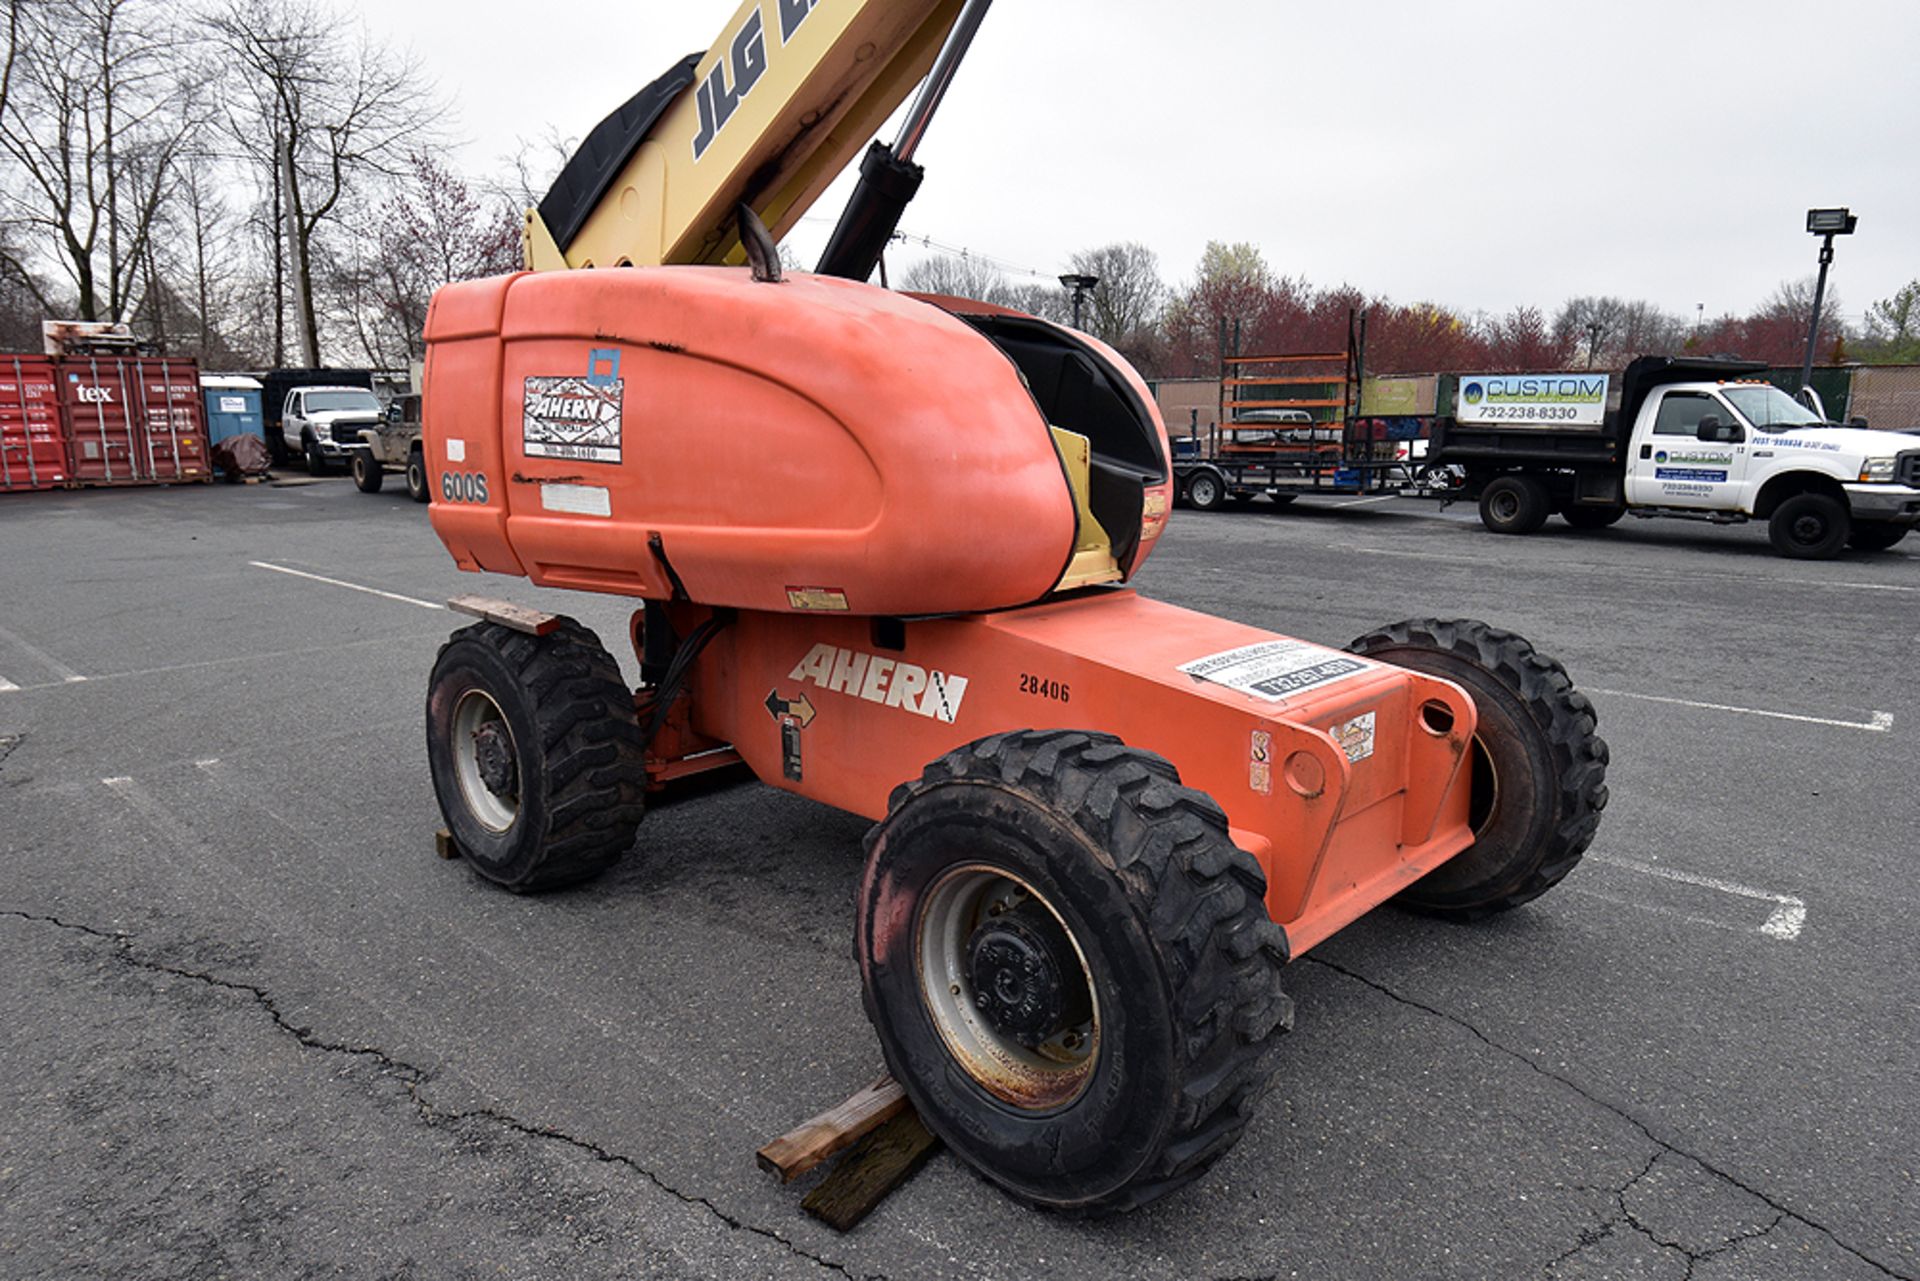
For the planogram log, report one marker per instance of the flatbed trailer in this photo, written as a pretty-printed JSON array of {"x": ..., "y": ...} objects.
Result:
[{"x": 1298, "y": 424}]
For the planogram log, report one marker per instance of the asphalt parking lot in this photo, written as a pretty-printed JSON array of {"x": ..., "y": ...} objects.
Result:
[{"x": 254, "y": 1028}]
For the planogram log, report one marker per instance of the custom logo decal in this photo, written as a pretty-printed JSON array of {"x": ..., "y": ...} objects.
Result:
[
  {"x": 573, "y": 417},
  {"x": 1276, "y": 669},
  {"x": 886, "y": 681}
]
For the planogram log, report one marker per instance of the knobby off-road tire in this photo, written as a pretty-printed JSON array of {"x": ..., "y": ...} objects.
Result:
[
  {"x": 368, "y": 474},
  {"x": 1074, "y": 848},
  {"x": 1592, "y": 517},
  {"x": 1874, "y": 535},
  {"x": 1809, "y": 526},
  {"x": 1515, "y": 505},
  {"x": 1540, "y": 770},
  {"x": 535, "y": 753}
]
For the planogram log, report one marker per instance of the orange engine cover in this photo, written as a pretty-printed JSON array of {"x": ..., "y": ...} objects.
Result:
[{"x": 811, "y": 444}]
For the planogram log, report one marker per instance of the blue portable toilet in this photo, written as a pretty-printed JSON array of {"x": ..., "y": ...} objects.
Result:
[{"x": 233, "y": 407}]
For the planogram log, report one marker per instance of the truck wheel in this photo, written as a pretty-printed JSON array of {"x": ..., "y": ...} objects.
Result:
[
  {"x": 1205, "y": 492},
  {"x": 417, "y": 476},
  {"x": 1070, "y": 967},
  {"x": 1514, "y": 505},
  {"x": 317, "y": 464},
  {"x": 535, "y": 754},
  {"x": 1874, "y": 535},
  {"x": 1809, "y": 527},
  {"x": 1592, "y": 517},
  {"x": 1539, "y": 769},
  {"x": 368, "y": 474}
]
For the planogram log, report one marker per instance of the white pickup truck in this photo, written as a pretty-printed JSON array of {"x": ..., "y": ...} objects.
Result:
[
  {"x": 323, "y": 424},
  {"x": 1692, "y": 438}
]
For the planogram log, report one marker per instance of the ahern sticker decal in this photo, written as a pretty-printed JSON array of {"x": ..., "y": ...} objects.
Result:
[
  {"x": 574, "y": 417},
  {"x": 1275, "y": 669},
  {"x": 886, "y": 681}
]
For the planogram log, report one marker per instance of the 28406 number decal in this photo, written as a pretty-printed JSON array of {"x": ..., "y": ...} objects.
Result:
[
  {"x": 1041, "y": 687},
  {"x": 463, "y": 487}
]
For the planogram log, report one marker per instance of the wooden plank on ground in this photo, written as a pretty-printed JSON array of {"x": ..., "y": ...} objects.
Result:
[
  {"x": 443, "y": 844},
  {"x": 882, "y": 1162},
  {"x": 813, "y": 1141}
]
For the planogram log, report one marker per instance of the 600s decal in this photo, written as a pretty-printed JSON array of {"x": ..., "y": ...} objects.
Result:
[{"x": 463, "y": 487}]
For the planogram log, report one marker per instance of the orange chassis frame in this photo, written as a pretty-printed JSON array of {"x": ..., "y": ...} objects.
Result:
[{"x": 843, "y": 708}]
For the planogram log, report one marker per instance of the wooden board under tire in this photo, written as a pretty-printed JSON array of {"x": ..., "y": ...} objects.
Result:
[
  {"x": 882, "y": 1162},
  {"x": 813, "y": 1141}
]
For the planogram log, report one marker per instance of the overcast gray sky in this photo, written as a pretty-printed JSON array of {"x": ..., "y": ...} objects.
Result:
[{"x": 1478, "y": 154}]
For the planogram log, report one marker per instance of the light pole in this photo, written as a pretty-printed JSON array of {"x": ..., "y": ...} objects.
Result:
[
  {"x": 1081, "y": 286},
  {"x": 1593, "y": 340},
  {"x": 1826, "y": 223}
]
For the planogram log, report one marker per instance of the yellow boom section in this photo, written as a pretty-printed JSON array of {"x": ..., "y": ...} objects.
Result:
[{"x": 780, "y": 104}]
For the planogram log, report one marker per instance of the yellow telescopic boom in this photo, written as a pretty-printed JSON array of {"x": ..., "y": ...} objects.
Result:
[{"x": 768, "y": 116}]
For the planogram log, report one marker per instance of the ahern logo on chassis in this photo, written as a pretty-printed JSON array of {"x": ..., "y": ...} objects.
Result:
[{"x": 886, "y": 681}]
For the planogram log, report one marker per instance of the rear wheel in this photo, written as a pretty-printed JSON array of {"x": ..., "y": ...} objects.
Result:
[
  {"x": 1809, "y": 527},
  {"x": 368, "y": 474},
  {"x": 535, "y": 754},
  {"x": 1070, "y": 967},
  {"x": 1514, "y": 505},
  {"x": 1206, "y": 492},
  {"x": 1874, "y": 535},
  {"x": 1592, "y": 517},
  {"x": 1539, "y": 769},
  {"x": 417, "y": 476}
]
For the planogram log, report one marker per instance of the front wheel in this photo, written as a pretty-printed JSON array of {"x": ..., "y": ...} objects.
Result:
[
  {"x": 1539, "y": 769},
  {"x": 1070, "y": 967},
  {"x": 535, "y": 754},
  {"x": 1809, "y": 526},
  {"x": 317, "y": 464},
  {"x": 368, "y": 474},
  {"x": 1875, "y": 535}
]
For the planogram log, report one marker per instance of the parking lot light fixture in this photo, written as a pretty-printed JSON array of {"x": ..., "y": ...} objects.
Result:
[
  {"x": 1080, "y": 286},
  {"x": 1825, "y": 223}
]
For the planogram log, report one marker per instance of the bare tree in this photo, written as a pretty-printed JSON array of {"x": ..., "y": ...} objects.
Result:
[
  {"x": 97, "y": 118},
  {"x": 1130, "y": 296},
  {"x": 319, "y": 110},
  {"x": 960, "y": 276}
]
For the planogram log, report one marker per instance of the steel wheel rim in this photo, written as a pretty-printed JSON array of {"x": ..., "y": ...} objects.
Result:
[
  {"x": 1033, "y": 1079},
  {"x": 475, "y": 711},
  {"x": 1505, "y": 505},
  {"x": 1203, "y": 492}
]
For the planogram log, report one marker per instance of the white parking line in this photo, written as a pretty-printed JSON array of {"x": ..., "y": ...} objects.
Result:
[
  {"x": 1362, "y": 502},
  {"x": 41, "y": 657},
  {"x": 336, "y": 582},
  {"x": 1881, "y": 722},
  {"x": 1784, "y": 922},
  {"x": 1587, "y": 567},
  {"x": 6, "y": 685}
]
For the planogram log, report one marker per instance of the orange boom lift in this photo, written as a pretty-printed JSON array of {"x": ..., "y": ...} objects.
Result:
[{"x": 881, "y": 544}]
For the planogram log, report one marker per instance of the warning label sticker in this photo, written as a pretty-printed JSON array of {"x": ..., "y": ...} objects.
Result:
[
  {"x": 1356, "y": 737},
  {"x": 572, "y": 418},
  {"x": 1276, "y": 669}
]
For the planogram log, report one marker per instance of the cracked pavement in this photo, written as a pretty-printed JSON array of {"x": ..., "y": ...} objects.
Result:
[{"x": 254, "y": 1027}]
